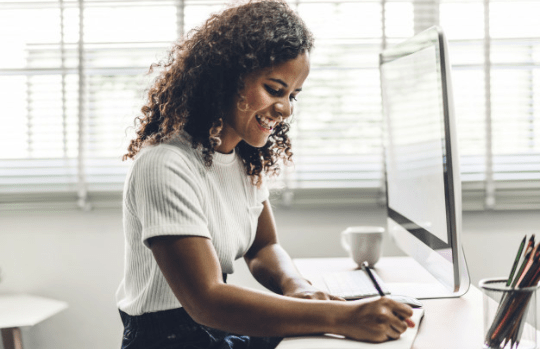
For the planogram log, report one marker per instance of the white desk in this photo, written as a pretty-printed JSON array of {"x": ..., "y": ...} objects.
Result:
[
  {"x": 452, "y": 323},
  {"x": 20, "y": 310}
]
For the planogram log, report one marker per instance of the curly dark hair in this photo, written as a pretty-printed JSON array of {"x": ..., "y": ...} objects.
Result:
[{"x": 205, "y": 72}]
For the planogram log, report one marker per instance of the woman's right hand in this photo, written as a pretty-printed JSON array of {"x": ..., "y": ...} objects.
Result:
[{"x": 376, "y": 320}]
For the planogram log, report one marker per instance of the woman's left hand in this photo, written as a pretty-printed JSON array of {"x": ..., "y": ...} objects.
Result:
[{"x": 305, "y": 290}]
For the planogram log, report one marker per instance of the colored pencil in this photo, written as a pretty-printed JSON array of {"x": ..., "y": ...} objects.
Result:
[
  {"x": 516, "y": 261},
  {"x": 528, "y": 251}
]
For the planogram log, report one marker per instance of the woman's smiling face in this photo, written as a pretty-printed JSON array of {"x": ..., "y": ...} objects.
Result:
[{"x": 268, "y": 98}]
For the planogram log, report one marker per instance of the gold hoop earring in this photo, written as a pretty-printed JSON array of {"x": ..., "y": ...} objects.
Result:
[{"x": 245, "y": 103}]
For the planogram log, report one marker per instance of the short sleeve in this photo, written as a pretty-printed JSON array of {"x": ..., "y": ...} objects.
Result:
[{"x": 167, "y": 194}]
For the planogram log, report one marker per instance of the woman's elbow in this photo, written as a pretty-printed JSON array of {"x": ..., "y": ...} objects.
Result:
[{"x": 202, "y": 307}]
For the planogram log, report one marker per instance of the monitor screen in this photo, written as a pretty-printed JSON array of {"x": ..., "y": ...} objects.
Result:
[{"x": 421, "y": 161}]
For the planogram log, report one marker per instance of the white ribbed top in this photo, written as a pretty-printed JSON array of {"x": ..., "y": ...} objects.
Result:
[{"x": 169, "y": 191}]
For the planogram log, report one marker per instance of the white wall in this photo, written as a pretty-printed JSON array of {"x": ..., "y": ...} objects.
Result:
[
  {"x": 78, "y": 257},
  {"x": 72, "y": 256}
]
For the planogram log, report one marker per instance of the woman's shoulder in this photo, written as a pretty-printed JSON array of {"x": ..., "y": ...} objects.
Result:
[{"x": 173, "y": 153}]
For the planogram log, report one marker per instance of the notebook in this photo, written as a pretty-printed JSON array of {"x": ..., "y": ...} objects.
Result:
[{"x": 328, "y": 341}]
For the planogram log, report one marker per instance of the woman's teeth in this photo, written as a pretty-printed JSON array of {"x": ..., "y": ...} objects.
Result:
[{"x": 265, "y": 122}]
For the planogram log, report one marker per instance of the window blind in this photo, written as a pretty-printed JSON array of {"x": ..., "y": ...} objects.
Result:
[
  {"x": 73, "y": 85},
  {"x": 494, "y": 47},
  {"x": 73, "y": 79}
]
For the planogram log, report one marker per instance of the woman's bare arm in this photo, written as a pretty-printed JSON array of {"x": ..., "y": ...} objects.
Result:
[
  {"x": 272, "y": 266},
  {"x": 192, "y": 269}
]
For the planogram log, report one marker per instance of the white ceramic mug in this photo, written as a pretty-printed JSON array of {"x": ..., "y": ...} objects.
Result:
[{"x": 363, "y": 243}]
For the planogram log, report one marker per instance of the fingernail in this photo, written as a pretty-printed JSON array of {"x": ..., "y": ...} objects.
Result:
[{"x": 409, "y": 322}]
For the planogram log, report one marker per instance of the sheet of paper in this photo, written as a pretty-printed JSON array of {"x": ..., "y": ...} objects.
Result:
[{"x": 337, "y": 342}]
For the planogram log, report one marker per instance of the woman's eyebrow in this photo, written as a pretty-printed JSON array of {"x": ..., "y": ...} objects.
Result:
[{"x": 279, "y": 81}]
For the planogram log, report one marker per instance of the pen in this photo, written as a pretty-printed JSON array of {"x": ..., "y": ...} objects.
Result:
[{"x": 365, "y": 268}]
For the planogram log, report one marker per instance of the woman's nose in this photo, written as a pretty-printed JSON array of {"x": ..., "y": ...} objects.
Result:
[{"x": 284, "y": 109}]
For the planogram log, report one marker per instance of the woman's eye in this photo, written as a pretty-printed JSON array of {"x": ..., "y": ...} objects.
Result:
[
  {"x": 272, "y": 91},
  {"x": 278, "y": 93}
]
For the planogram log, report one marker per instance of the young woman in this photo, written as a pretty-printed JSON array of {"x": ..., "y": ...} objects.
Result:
[{"x": 195, "y": 199}]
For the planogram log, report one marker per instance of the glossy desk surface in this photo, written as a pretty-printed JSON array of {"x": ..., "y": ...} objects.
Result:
[{"x": 450, "y": 323}]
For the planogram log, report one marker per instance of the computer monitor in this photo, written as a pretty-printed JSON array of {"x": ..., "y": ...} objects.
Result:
[{"x": 423, "y": 187}]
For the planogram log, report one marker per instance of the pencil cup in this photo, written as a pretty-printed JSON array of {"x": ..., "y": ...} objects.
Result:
[
  {"x": 363, "y": 243},
  {"x": 510, "y": 315}
]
